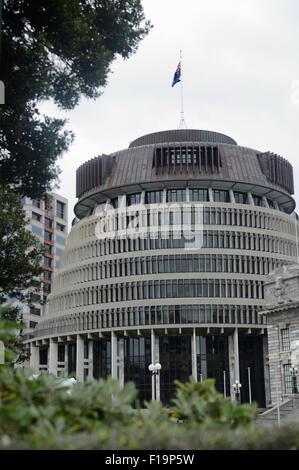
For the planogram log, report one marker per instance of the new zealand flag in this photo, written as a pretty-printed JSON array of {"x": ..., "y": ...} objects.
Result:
[{"x": 177, "y": 75}]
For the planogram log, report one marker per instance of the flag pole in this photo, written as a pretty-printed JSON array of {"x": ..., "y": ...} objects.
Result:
[{"x": 182, "y": 124}]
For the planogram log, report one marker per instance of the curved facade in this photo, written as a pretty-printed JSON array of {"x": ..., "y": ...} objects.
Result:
[{"x": 166, "y": 261}]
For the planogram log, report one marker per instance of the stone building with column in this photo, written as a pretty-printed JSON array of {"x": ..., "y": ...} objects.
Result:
[
  {"x": 282, "y": 317},
  {"x": 166, "y": 262}
]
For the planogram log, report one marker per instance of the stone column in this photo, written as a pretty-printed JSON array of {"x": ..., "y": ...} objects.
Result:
[
  {"x": 265, "y": 201},
  {"x": 113, "y": 355},
  {"x": 34, "y": 358},
  {"x": 90, "y": 361},
  {"x": 231, "y": 360},
  {"x": 187, "y": 192},
  {"x": 275, "y": 363},
  {"x": 155, "y": 359},
  {"x": 232, "y": 196},
  {"x": 251, "y": 202},
  {"x": 266, "y": 371},
  {"x": 234, "y": 368},
  {"x": 79, "y": 359},
  {"x": 194, "y": 355},
  {"x": 236, "y": 354},
  {"x": 53, "y": 349}
]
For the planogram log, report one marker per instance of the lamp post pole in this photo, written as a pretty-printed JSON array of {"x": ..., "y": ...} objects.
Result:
[
  {"x": 277, "y": 394},
  {"x": 249, "y": 385},
  {"x": 155, "y": 369},
  {"x": 237, "y": 389}
]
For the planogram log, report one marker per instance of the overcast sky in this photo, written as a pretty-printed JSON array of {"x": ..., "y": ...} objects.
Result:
[{"x": 240, "y": 77}]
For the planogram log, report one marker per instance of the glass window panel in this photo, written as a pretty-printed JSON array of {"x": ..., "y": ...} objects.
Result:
[
  {"x": 221, "y": 195},
  {"x": 199, "y": 195},
  {"x": 285, "y": 339},
  {"x": 240, "y": 197}
]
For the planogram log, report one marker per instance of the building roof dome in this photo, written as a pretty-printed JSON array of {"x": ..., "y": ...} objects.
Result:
[{"x": 183, "y": 135}]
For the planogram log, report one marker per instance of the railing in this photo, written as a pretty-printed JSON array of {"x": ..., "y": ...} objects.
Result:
[{"x": 272, "y": 413}]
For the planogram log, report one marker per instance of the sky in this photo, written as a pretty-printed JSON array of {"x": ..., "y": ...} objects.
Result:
[{"x": 240, "y": 66}]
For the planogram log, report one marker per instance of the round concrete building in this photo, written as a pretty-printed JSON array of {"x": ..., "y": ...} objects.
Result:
[{"x": 166, "y": 262}]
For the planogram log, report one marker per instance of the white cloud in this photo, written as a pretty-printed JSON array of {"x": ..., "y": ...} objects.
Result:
[{"x": 240, "y": 59}]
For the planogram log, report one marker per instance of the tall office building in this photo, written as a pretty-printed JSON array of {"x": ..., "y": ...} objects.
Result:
[
  {"x": 48, "y": 221},
  {"x": 166, "y": 262}
]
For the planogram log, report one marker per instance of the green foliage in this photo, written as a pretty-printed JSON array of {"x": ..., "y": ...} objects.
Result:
[
  {"x": 37, "y": 408},
  {"x": 20, "y": 250},
  {"x": 15, "y": 351},
  {"x": 200, "y": 403},
  {"x": 41, "y": 413},
  {"x": 59, "y": 50},
  {"x": 20, "y": 268}
]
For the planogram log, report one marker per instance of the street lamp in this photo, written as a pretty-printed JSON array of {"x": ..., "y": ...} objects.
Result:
[
  {"x": 237, "y": 389},
  {"x": 154, "y": 369},
  {"x": 294, "y": 372}
]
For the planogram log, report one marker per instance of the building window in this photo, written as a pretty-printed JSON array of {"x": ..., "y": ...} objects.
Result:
[
  {"x": 285, "y": 339},
  {"x": 153, "y": 197},
  {"x": 60, "y": 239},
  {"x": 271, "y": 203},
  {"x": 36, "y": 216},
  {"x": 48, "y": 249},
  {"x": 61, "y": 353},
  {"x": 175, "y": 355},
  {"x": 59, "y": 251},
  {"x": 36, "y": 203},
  {"x": 288, "y": 385},
  {"x": 133, "y": 199},
  {"x": 258, "y": 200},
  {"x": 114, "y": 202},
  {"x": 60, "y": 227},
  {"x": 47, "y": 262},
  {"x": 47, "y": 288},
  {"x": 176, "y": 195},
  {"x": 86, "y": 349},
  {"x": 60, "y": 209},
  {"x": 241, "y": 198},
  {"x": 72, "y": 358},
  {"x": 37, "y": 230},
  {"x": 137, "y": 352},
  {"x": 43, "y": 356},
  {"x": 48, "y": 275},
  {"x": 35, "y": 297},
  {"x": 199, "y": 195},
  {"x": 48, "y": 223},
  {"x": 48, "y": 236},
  {"x": 35, "y": 311},
  {"x": 101, "y": 359},
  {"x": 221, "y": 195},
  {"x": 32, "y": 324}
]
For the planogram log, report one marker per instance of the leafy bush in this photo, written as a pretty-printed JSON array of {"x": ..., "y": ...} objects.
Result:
[
  {"x": 200, "y": 403},
  {"x": 14, "y": 349},
  {"x": 40, "y": 406},
  {"x": 40, "y": 412}
]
